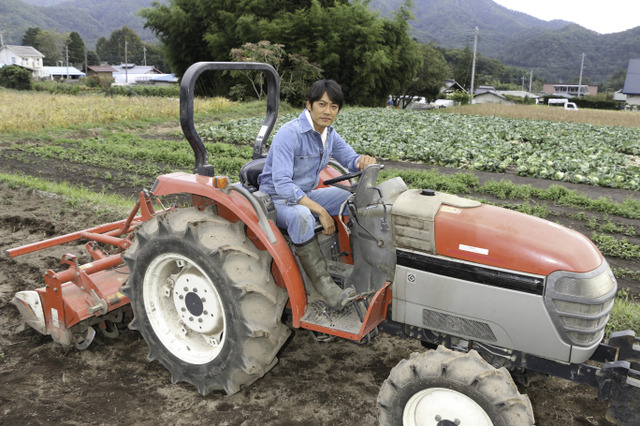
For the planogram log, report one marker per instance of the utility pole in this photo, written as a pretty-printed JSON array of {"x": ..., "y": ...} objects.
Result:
[
  {"x": 126, "y": 67},
  {"x": 580, "y": 81},
  {"x": 473, "y": 64},
  {"x": 144, "y": 52},
  {"x": 522, "y": 87},
  {"x": 1, "y": 39},
  {"x": 530, "y": 79},
  {"x": 66, "y": 56}
]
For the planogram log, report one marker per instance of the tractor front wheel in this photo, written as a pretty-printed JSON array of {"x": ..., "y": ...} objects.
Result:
[
  {"x": 445, "y": 387},
  {"x": 204, "y": 300}
]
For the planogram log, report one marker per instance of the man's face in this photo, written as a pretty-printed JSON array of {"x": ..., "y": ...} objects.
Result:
[{"x": 323, "y": 112}]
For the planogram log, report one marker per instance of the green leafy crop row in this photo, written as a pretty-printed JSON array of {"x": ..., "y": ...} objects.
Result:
[{"x": 598, "y": 155}]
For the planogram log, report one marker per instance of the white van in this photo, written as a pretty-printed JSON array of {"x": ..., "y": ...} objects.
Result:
[{"x": 569, "y": 106}]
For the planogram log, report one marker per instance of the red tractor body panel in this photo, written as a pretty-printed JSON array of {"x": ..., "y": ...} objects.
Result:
[{"x": 511, "y": 240}]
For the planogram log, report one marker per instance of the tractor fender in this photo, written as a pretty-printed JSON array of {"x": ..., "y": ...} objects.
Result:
[{"x": 235, "y": 207}]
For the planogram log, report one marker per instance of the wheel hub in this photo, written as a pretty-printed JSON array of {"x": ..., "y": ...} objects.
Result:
[
  {"x": 194, "y": 304},
  {"x": 197, "y": 307},
  {"x": 184, "y": 308},
  {"x": 443, "y": 407}
]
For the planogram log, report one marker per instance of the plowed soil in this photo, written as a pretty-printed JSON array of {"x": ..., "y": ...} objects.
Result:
[{"x": 111, "y": 382}]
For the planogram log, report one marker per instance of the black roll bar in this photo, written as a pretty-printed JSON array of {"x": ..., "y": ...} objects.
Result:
[{"x": 202, "y": 166}]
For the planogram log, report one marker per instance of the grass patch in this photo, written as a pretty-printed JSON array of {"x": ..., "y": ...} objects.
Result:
[
  {"x": 611, "y": 246},
  {"x": 458, "y": 183},
  {"x": 625, "y": 314},
  {"x": 75, "y": 196},
  {"x": 562, "y": 196}
]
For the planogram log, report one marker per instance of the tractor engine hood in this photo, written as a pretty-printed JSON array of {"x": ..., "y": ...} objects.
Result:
[{"x": 459, "y": 228}]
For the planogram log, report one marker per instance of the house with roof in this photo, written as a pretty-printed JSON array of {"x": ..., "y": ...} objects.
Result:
[
  {"x": 164, "y": 80},
  {"x": 134, "y": 74},
  {"x": 451, "y": 86},
  {"x": 569, "y": 90},
  {"x": 102, "y": 72},
  {"x": 24, "y": 56},
  {"x": 489, "y": 95},
  {"x": 632, "y": 83},
  {"x": 520, "y": 94},
  {"x": 62, "y": 73}
]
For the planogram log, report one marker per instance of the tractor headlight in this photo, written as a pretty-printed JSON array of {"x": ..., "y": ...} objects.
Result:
[{"x": 579, "y": 303}]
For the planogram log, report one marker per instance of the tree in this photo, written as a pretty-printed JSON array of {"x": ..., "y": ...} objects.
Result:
[
  {"x": 366, "y": 54},
  {"x": 30, "y": 38},
  {"x": 428, "y": 78},
  {"x": 295, "y": 71},
  {"x": 615, "y": 81},
  {"x": 51, "y": 45},
  {"x": 92, "y": 58},
  {"x": 462, "y": 64},
  {"x": 15, "y": 77},
  {"x": 298, "y": 78},
  {"x": 263, "y": 51},
  {"x": 352, "y": 44},
  {"x": 76, "y": 49},
  {"x": 113, "y": 49}
]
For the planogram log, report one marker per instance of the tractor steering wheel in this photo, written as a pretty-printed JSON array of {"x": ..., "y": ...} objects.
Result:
[{"x": 337, "y": 179}]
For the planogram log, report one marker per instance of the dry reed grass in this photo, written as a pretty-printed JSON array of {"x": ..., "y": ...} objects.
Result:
[
  {"x": 542, "y": 112},
  {"x": 33, "y": 111}
]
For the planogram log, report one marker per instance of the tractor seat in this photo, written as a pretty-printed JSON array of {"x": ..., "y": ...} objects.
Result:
[
  {"x": 249, "y": 174},
  {"x": 249, "y": 179}
]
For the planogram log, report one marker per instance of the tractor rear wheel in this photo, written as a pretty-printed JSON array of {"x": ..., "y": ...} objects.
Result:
[
  {"x": 204, "y": 300},
  {"x": 445, "y": 387}
]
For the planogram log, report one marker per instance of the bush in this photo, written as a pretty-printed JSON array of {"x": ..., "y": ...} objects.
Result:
[
  {"x": 56, "y": 87},
  {"x": 463, "y": 98},
  {"x": 138, "y": 90},
  {"x": 97, "y": 82},
  {"x": 15, "y": 77},
  {"x": 597, "y": 102}
]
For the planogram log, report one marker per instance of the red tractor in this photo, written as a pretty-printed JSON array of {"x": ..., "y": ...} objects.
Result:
[{"x": 210, "y": 286}]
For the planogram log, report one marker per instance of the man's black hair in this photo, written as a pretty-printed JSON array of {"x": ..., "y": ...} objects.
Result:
[{"x": 331, "y": 87}]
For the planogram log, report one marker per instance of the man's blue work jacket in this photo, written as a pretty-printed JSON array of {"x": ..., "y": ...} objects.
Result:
[{"x": 296, "y": 158}]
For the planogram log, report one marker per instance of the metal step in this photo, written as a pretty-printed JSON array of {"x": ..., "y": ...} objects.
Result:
[{"x": 318, "y": 313}]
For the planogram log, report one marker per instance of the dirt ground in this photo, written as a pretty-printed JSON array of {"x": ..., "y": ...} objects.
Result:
[{"x": 112, "y": 383}]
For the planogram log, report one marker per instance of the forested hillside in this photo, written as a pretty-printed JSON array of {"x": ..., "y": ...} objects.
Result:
[
  {"x": 92, "y": 19},
  {"x": 553, "y": 49},
  {"x": 450, "y": 23}
]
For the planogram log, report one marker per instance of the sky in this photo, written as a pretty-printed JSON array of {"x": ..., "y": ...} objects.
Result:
[{"x": 604, "y": 17}]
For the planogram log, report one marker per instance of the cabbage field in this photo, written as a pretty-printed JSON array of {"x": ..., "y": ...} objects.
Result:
[{"x": 606, "y": 156}]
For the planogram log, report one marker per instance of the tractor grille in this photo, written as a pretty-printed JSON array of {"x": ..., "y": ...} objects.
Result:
[
  {"x": 456, "y": 325},
  {"x": 579, "y": 304}
]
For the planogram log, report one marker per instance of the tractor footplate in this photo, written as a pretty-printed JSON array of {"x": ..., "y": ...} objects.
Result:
[
  {"x": 357, "y": 322},
  {"x": 346, "y": 320}
]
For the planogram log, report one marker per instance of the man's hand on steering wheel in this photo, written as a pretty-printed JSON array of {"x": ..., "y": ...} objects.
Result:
[{"x": 364, "y": 161}]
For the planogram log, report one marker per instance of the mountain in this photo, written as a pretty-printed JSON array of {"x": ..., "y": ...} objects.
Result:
[
  {"x": 91, "y": 19},
  {"x": 451, "y": 23},
  {"x": 557, "y": 54},
  {"x": 552, "y": 49}
]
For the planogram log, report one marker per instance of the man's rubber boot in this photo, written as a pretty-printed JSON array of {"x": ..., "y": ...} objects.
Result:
[{"x": 316, "y": 269}]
